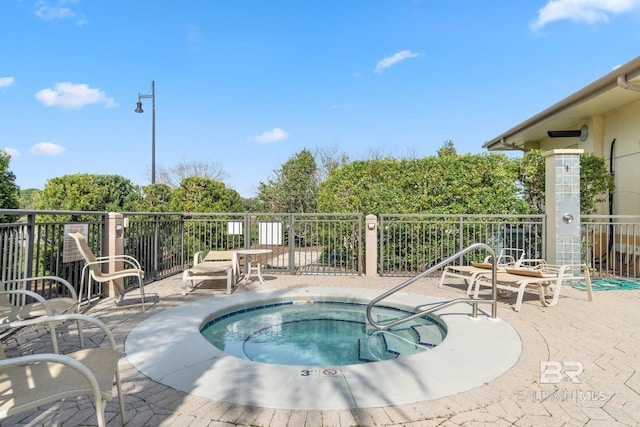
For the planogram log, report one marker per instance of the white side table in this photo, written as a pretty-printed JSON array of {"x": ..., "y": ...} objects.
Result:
[{"x": 253, "y": 266}]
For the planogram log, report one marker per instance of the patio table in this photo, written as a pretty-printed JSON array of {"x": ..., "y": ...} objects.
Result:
[{"x": 253, "y": 266}]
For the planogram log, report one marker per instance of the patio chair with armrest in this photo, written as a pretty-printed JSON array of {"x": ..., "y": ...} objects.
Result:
[
  {"x": 469, "y": 273},
  {"x": 130, "y": 267},
  {"x": 30, "y": 381},
  {"x": 14, "y": 306},
  {"x": 546, "y": 279}
]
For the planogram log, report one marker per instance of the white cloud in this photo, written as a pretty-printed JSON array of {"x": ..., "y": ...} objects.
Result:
[
  {"x": 6, "y": 82},
  {"x": 59, "y": 10},
  {"x": 11, "y": 151},
  {"x": 71, "y": 95},
  {"x": 46, "y": 149},
  {"x": 392, "y": 60},
  {"x": 589, "y": 11},
  {"x": 272, "y": 135}
]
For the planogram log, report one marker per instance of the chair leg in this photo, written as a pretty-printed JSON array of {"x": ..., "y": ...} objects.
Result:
[
  {"x": 444, "y": 274},
  {"x": 520, "y": 296},
  {"x": 120, "y": 397},
  {"x": 185, "y": 279}
]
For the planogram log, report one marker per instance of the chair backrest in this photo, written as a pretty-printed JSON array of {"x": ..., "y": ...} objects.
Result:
[
  {"x": 86, "y": 253},
  {"x": 219, "y": 256}
]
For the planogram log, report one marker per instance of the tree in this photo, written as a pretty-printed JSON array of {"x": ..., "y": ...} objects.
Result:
[
  {"x": 155, "y": 198},
  {"x": 329, "y": 158},
  {"x": 595, "y": 181},
  {"x": 174, "y": 175},
  {"x": 29, "y": 198},
  {"x": 294, "y": 187},
  {"x": 86, "y": 192},
  {"x": 9, "y": 191},
  {"x": 198, "y": 194}
]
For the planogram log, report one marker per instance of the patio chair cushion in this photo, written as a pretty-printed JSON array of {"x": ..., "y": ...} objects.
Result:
[
  {"x": 525, "y": 272},
  {"x": 481, "y": 264}
]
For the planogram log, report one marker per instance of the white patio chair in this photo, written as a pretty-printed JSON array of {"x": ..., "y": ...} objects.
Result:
[
  {"x": 14, "y": 306},
  {"x": 30, "y": 381},
  {"x": 93, "y": 267}
]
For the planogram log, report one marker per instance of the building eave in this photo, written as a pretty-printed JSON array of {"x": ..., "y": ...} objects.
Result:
[{"x": 599, "y": 97}]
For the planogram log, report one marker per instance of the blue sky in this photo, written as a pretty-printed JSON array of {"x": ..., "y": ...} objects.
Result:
[{"x": 249, "y": 83}]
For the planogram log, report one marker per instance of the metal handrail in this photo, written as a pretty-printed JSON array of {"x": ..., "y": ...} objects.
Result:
[{"x": 437, "y": 306}]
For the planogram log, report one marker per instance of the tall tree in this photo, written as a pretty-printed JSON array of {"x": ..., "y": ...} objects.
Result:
[
  {"x": 328, "y": 159},
  {"x": 9, "y": 191},
  {"x": 294, "y": 186},
  {"x": 174, "y": 175}
]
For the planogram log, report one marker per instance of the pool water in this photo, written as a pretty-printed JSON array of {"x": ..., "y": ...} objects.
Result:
[{"x": 319, "y": 333}]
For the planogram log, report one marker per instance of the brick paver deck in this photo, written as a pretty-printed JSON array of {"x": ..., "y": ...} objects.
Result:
[{"x": 603, "y": 336}]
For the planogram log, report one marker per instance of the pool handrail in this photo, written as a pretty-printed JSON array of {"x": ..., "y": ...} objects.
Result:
[{"x": 474, "y": 301}]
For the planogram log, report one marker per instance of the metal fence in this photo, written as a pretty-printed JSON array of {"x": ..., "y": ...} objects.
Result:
[
  {"x": 329, "y": 244},
  {"x": 300, "y": 243},
  {"x": 611, "y": 245},
  {"x": 409, "y": 244},
  {"x": 165, "y": 243},
  {"x": 34, "y": 246}
]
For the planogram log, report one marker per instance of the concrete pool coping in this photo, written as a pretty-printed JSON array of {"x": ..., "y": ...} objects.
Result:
[{"x": 168, "y": 348}]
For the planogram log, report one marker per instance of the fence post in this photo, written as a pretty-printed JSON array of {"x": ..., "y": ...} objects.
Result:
[
  {"x": 562, "y": 205},
  {"x": 114, "y": 245},
  {"x": 371, "y": 246}
]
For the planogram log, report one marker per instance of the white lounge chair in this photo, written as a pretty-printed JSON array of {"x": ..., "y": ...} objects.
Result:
[
  {"x": 216, "y": 265},
  {"x": 547, "y": 280},
  {"x": 469, "y": 273},
  {"x": 30, "y": 381}
]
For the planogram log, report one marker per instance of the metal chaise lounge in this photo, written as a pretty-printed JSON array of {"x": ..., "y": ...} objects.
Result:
[
  {"x": 547, "y": 280},
  {"x": 469, "y": 273},
  {"x": 216, "y": 265}
]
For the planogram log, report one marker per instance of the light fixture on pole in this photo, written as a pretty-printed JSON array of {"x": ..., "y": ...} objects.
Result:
[{"x": 153, "y": 126}]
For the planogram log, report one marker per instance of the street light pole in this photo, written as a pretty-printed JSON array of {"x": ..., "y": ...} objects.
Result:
[{"x": 153, "y": 126}]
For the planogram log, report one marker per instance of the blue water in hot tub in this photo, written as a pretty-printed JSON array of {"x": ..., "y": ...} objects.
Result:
[{"x": 319, "y": 333}]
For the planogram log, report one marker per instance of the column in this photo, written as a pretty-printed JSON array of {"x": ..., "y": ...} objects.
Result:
[{"x": 562, "y": 205}]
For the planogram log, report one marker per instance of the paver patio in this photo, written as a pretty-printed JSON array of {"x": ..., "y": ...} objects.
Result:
[{"x": 603, "y": 336}]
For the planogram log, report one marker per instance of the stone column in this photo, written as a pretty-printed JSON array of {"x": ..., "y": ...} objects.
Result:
[
  {"x": 371, "y": 246},
  {"x": 114, "y": 245},
  {"x": 562, "y": 205}
]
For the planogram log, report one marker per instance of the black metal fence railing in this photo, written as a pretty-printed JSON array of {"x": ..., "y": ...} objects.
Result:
[
  {"x": 611, "y": 245},
  {"x": 164, "y": 243},
  {"x": 412, "y": 243},
  {"x": 328, "y": 244}
]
